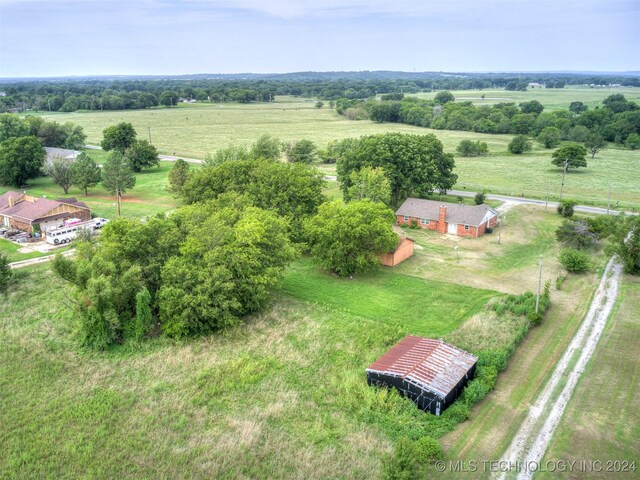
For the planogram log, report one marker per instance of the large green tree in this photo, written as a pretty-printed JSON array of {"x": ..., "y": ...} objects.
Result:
[
  {"x": 60, "y": 171},
  {"x": 11, "y": 125},
  {"x": 414, "y": 164},
  {"x": 21, "y": 158},
  {"x": 85, "y": 173},
  {"x": 549, "y": 137},
  {"x": 292, "y": 190},
  {"x": 369, "y": 183},
  {"x": 594, "y": 143},
  {"x": 267, "y": 147},
  {"x": 118, "y": 137},
  {"x": 141, "y": 154},
  {"x": 230, "y": 153},
  {"x": 117, "y": 176},
  {"x": 178, "y": 176},
  {"x": 571, "y": 153},
  {"x": 234, "y": 254},
  {"x": 349, "y": 238},
  {"x": 302, "y": 151}
]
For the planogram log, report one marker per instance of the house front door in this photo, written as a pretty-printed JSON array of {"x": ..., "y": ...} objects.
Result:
[{"x": 452, "y": 228}]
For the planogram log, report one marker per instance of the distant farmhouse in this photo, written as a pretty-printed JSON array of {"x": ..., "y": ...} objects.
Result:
[
  {"x": 430, "y": 372},
  {"x": 452, "y": 218},
  {"x": 33, "y": 214},
  {"x": 535, "y": 85},
  {"x": 53, "y": 152}
]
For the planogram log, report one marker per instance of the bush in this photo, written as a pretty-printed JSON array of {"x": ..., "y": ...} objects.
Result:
[
  {"x": 566, "y": 208},
  {"x": 479, "y": 198},
  {"x": 519, "y": 144},
  {"x": 549, "y": 137},
  {"x": 633, "y": 141},
  {"x": 468, "y": 148},
  {"x": 5, "y": 273},
  {"x": 576, "y": 234},
  {"x": 560, "y": 281},
  {"x": 410, "y": 458},
  {"x": 575, "y": 261}
]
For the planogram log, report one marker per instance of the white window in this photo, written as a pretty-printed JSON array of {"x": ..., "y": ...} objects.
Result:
[
  {"x": 424, "y": 221},
  {"x": 406, "y": 218},
  {"x": 466, "y": 227}
]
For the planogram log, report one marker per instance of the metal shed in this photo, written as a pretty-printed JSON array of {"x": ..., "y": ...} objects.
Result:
[{"x": 430, "y": 372}]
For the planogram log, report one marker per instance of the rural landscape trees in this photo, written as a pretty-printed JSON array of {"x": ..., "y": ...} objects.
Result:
[
  {"x": 414, "y": 164},
  {"x": 21, "y": 158}
]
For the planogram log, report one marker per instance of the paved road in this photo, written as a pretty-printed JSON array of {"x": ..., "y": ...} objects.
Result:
[{"x": 534, "y": 201}]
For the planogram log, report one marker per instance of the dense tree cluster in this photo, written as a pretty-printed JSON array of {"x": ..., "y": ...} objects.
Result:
[
  {"x": 68, "y": 95},
  {"x": 415, "y": 165},
  {"x": 615, "y": 121},
  {"x": 199, "y": 270}
]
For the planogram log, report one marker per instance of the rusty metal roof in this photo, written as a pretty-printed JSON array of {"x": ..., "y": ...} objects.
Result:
[{"x": 431, "y": 364}]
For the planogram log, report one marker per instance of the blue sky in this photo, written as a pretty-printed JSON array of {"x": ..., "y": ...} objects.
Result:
[{"x": 119, "y": 37}]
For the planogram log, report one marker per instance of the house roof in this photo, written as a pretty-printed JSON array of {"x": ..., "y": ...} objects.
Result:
[
  {"x": 32, "y": 208},
  {"x": 4, "y": 198},
  {"x": 456, "y": 213},
  {"x": 54, "y": 152},
  {"x": 430, "y": 364}
]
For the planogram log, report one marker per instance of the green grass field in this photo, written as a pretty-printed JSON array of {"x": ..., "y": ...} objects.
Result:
[
  {"x": 194, "y": 130},
  {"x": 601, "y": 421},
  {"x": 11, "y": 250}
]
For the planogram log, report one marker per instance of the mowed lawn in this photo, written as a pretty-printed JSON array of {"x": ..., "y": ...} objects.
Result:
[
  {"x": 198, "y": 129},
  {"x": 424, "y": 307},
  {"x": 282, "y": 396},
  {"x": 602, "y": 420}
]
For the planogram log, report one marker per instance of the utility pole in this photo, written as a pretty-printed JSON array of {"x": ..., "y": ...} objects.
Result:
[
  {"x": 539, "y": 284},
  {"x": 499, "y": 230},
  {"x": 150, "y": 135},
  {"x": 546, "y": 201},
  {"x": 118, "y": 200},
  {"x": 609, "y": 199},
  {"x": 564, "y": 172},
  {"x": 49, "y": 101}
]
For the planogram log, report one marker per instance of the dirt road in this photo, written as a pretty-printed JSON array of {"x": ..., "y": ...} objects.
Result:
[{"x": 531, "y": 442}]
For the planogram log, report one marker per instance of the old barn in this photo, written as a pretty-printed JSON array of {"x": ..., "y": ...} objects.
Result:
[{"x": 430, "y": 372}]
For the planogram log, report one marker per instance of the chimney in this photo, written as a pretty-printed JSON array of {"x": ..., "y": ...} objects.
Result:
[
  {"x": 442, "y": 226},
  {"x": 11, "y": 201}
]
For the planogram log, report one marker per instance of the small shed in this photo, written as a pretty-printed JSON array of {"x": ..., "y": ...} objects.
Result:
[
  {"x": 430, "y": 372},
  {"x": 403, "y": 251}
]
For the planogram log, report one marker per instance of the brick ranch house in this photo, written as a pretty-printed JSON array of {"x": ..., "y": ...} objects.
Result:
[
  {"x": 33, "y": 214},
  {"x": 452, "y": 218}
]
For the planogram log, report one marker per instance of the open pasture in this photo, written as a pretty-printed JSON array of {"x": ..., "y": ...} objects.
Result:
[{"x": 198, "y": 129}]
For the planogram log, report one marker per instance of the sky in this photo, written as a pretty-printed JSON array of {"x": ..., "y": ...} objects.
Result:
[{"x": 171, "y": 37}]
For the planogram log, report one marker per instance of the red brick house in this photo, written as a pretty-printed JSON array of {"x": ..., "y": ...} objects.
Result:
[
  {"x": 452, "y": 218},
  {"x": 33, "y": 214}
]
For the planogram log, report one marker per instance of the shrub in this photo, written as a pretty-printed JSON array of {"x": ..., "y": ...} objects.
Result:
[
  {"x": 633, "y": 141},
  {"x": 5, "y": 273},
  {"x": 549, "y": 137},
  {"x": 575, "y": 261},
  {"x": 319, "y": 104},
  {"x": 479, "y": 198},
  {"x": 560, "y": 281},
  {"x": 410, "y": 458},
  {"x": 566, "y": 208},
  {"x": 519, "y": 144},
  {"x": 468, "y": 148},
  {"x": 576, "y": 234},
  {"x": 413, "y": 223}
]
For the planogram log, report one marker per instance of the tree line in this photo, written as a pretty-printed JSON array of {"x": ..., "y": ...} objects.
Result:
[
  {"x": 68, "y": 95},
  {"x": 616, "y": 120}
]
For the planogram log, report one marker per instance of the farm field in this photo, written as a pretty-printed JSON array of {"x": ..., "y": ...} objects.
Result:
[
  {"x": 198, "y": 129},
  {"x": 601, "y": 421},
  {"x": 283, "y": 393}
]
